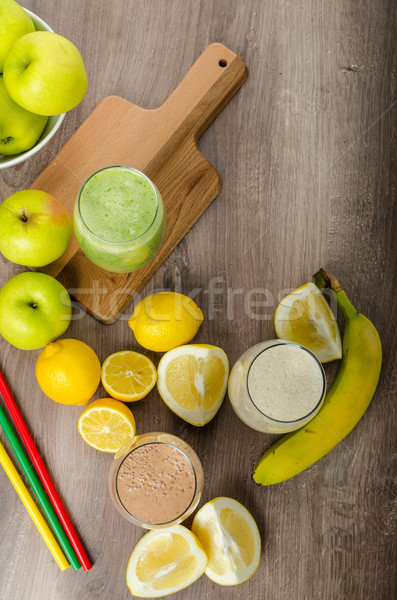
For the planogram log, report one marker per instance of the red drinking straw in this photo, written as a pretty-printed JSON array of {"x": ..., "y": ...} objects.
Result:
[{"x": 44, "y": 475}]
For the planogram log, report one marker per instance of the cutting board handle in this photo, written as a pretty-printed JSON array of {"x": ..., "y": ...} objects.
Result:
[{"x": 213, "y": 79}]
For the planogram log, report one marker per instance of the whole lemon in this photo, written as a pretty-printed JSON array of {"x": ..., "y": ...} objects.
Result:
[
  {"x": 165, "y": 320},
  {"x": 68, "y": 371}
]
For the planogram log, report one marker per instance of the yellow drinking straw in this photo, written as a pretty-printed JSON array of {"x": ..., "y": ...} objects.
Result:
[{"x": 32, "y": 509}]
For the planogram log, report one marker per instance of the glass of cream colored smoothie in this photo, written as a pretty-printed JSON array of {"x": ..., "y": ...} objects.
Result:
[
  {"x": 156, "y": 480},
  {"x": 119, "y": 219},
  {"x": 277, "y": 386}
]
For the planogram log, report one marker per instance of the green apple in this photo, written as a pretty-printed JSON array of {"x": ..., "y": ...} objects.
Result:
[
  {"x": 35, "y": 309},
  {"x": 14, "y": 23},
  {"x": 44, "y": 73},
  {"x": 19, "y": 128},
  {"x": 35, "y": 228}
]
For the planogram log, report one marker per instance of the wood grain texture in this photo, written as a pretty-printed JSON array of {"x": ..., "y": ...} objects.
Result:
[
  {"x": 162, "y": 143},
  {"x": 307, "y": 154}
]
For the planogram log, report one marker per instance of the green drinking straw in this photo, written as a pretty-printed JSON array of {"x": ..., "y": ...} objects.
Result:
[{"x": 39, "y": 491}]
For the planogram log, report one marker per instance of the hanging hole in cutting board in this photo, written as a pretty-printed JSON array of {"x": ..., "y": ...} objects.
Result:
[{"x": 222, "y": 63}]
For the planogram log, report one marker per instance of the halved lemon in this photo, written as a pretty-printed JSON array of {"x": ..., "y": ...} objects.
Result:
[
  {"x": 165, "y": 561},
  {"x": 107, "y": 425},
  {"x": 230, "y": 538},
  {"x": 192, "y": 381},
  {"x": 128, "y": 375},
  {"x": 304, "y": 317}
]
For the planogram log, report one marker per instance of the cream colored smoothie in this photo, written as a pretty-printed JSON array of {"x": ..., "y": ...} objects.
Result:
[
  {"x": 277, "y": 386},
  {"x": 158, "y": 482}
]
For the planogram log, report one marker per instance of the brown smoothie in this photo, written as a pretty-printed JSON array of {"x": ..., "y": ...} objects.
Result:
[{"x": 156, "y": 483}]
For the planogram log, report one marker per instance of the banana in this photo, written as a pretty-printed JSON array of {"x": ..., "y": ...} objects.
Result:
[{"x": 345, "y": 403}]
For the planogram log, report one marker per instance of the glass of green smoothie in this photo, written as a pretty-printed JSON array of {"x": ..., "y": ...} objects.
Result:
[{"x": 119, "y": 219}]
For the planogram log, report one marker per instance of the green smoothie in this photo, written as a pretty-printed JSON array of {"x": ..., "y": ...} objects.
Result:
[{"x": 119, "y": 219}]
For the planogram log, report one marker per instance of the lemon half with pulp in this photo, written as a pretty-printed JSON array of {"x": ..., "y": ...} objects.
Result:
[
  {"x": 304, "y": 317},
  {"x": 128, "y": 375},
  {"x": 192, "y": 381},
  {"x": 165, "y": 561},
  {"x": 230, "y": 538},
  {"x": 107, "y": 425}
]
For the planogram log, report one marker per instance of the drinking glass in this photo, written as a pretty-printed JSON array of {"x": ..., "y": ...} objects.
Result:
[
  {"x": 156, "y": 480},
  {"x": 277, "y": 386},
  {"x": 107, "y": 193}
]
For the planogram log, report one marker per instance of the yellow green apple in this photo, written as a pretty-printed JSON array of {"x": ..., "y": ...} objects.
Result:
[
  {"x": 44, "y": 72},
  {"x": 19, "y": 128},
  {"x": 35, "y": 309},
  {"x": 14, "y": 23},
  {"x": 35, "y": 228}
]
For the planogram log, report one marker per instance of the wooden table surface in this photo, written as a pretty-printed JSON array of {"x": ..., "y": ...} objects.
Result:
[{"x": 307, "y": 153}]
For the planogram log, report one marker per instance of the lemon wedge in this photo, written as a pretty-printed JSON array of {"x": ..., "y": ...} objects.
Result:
[
  {"x": 107, "y": 425},
  {"x": 165, "y": 561},
  {"x": 192, "y": 381},
  {"x": 304, "y": 317},
  {"x": 128, "y": 375},
  {"x": 230, "y": 538}
]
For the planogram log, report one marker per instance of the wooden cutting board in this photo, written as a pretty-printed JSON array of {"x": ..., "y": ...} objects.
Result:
[{"x": 163, "y": 144}]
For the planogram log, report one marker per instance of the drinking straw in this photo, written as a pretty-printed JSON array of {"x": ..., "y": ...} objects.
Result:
[
  {"x": 38, "y": 490},
  {"x": 44, "y": 475},
  {"x": 32, "y": 509}
]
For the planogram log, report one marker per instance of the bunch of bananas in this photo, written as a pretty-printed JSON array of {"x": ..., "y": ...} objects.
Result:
[{"x": 345, "y": 403}]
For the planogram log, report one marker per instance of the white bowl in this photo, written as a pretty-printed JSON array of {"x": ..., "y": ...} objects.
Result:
[{"x": 53, "y": 124}]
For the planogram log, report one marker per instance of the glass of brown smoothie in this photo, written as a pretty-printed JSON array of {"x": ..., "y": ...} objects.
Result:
[{"x": 157, "y": 481}]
